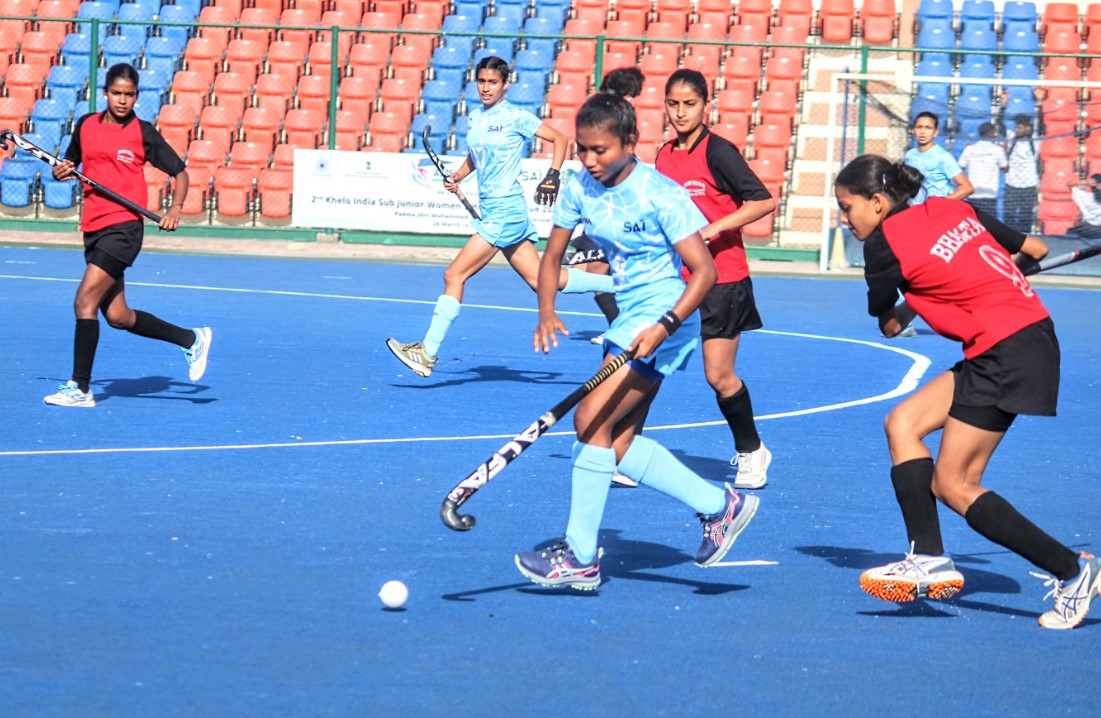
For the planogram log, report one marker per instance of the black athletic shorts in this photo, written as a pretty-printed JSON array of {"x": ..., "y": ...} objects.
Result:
[
  {"x": 584, "y": 251},
  {"x": 728, "y": 310},
  {"x": 121, "y": 242},
  {"x": 1018, "y": 375}
]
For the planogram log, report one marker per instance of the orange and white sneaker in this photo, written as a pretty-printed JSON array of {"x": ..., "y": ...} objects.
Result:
[
  {"x": 1072, "y": 598},
  {"x": 915, "y": 576}
]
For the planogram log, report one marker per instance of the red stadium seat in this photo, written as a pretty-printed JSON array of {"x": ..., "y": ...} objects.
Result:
[
  {"x": 218, "y": 123},
  {"x": 273, "y": 190},
  {"x": 54, "y": 10},
  {"x": 258, "y": 16},
  {"x": 274, "y": 91},
  {"x": 705, "y": 59},
  {"x": 286, "y": 58},
  {"x": 381, "y": 21},
  {"x": 388, "y": 125},
  {"x": 661, "y": 62},
  {"x": 559, "y": 96},
  {"x": 203, "y": 52},
  {"x": 297, "y": 25},
  {"x": 233, "y": 89},
  {"x": 368, "y": 59},
  {"x": 245, "y": 56},
  {"x": 233, "y": 190},
  {"x": 156, "y": 184},
  {"x": 283, "y": 157},
  {"x": 795, "y": 14},
  {"x": 731, "y": 104},
  {"x": 357, "y": 94},
  {"x": 777, "y": 137},
  {"x": 879, "y": 21},
  {"x": 319, "y": 59},
  {"x": 350, "y": 130},
  {"x": 835, "y": 21},
  {"x": 261, "y": 124},
  {"x": 736, "y": 131},
  {"x": 313, "y": 92},
  {"x": 1062, "y": 38},
  {"x": 584, "y": 27},
  {"x": 750, "y": 33},
  {"x": 177, "y": 124},
  {"x": 742, "y": 67},
  {"x": 1060, "y": 12},
  {"x": 755, "y": 12},
  {"x": 13, "y": 114},
  {"x": 1057, "y": 216},
  {"x": 205, "y": 153},
  {"x": 39, "y": 48},
  {"x": 255, "y": 155},
  {"x": 396, "y": 92},
  {"x": 409, "y": 62},
  {"x": 215, "y": 15},
  {"x": 24, "y": 83},
  {"x": 776, "y": 107},
  {"x": 303, "y": 127},
  {"x": 343, "y": 20}
]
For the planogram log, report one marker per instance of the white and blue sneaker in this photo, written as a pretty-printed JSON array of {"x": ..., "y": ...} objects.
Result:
[
  {"x": 557, "y": 565},
  {"x": 720, "y": 530},
  {"x": 1072, "y": 599},
  {"x": 69, "y": 394},
  {"x": 198, "y": 353}
]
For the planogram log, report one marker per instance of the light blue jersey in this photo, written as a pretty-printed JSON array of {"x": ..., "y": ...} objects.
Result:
[
  {"x": 939, "y": 167},
  {"x": 496, "y": 144},
  {"x": 637, "y": 224}
]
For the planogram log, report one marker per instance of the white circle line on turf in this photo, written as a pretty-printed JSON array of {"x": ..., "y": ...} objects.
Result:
[
  {"x": 747, "y": 562},
  {"x": 908, "y": 383}
]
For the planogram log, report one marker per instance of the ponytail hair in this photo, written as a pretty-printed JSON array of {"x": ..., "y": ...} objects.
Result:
[{"x": 868, "y": 175}]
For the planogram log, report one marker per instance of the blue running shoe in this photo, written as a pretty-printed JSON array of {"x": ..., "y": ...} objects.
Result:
[
  {"x": 720, "y": 530},
  {"x": 69, "y": 394},
  {"x": 1072, "y": 599},
  {"x": 558, "y": 566},
  {"x": 198, "y": 353}
]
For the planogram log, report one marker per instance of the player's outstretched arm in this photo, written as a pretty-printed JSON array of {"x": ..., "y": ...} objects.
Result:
[{"x": 550, "y": 273}]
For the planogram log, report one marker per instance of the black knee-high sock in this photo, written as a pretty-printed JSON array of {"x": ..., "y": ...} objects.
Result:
[
  {"x": 608, "y": 305},
  {"x": 994, "y": 517},
  {"x": 147, "y": 325},
  {"x": 913, "y": 482},
  {"x": 738, "y": 412},
  {"x": 85, "y": 341}
]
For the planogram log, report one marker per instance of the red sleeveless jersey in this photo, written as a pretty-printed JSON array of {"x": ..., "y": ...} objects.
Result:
[
  {"x": 689, "y": 169},
  {"x": 114, "y": 156},
  {"x": 961, "y": 281}
]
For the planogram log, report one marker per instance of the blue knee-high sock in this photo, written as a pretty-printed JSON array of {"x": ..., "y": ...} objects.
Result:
[
  {"x": 578, "y": 282},
  {"x": 447, "y": 310},
  {"x": 593, "y": 467},
  {"x": 650, "y": 463}
]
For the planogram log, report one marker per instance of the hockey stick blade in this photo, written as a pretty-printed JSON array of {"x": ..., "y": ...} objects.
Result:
[
  {"x": 34, "y": 150},
  {"x": 443, "y": 171},
  {"x": 449, "y": 510}
]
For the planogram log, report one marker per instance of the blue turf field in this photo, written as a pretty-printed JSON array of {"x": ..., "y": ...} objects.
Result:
[{"x": 215, "y": 550}]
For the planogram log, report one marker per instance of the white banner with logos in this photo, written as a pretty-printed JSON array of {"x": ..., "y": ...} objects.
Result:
[{"x": 387, "y": 192}]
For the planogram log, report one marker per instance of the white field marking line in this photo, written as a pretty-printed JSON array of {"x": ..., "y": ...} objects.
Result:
[
  {"x": 909, "y": 383},
  {"x": 747, "y": 562},
  {"x": 312, "y": 295}
]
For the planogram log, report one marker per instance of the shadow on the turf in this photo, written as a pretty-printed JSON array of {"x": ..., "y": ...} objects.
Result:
[
  {"x": 708, "y": 467},
  {"x": 151, "y": 387},
  {"x": 623, "y": 559},
  {"x": 478, "y": 374}
]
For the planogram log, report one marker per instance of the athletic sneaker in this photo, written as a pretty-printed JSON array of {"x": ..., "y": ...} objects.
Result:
[
  {"x": 557, "y": 565},
  {"x": 413, "y": 356},
  {"x": 198, "y": 353},
  {"x": 1072, "y": 599},
  {"x": 598, "y": 339},
  {"x": 69, "y": 394},
  {"x": 720, "y": 530},
  {"x": 915, "y": 576},
  {"x": 619, "y": 479},
  {"x": 752, "y": 468}
]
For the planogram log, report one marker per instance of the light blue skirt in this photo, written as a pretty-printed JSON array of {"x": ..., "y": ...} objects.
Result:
[{"x": 505, "y": 221}]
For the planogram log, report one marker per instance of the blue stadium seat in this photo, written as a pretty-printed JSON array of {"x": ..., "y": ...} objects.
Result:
[
  {"x": 439, "y": 98},
  {"x": 978, "y": 37},
  {"x": 67, "y": 76},
  {"x": 50, "y": 117},
  {"x": 17, "y": 177},
  {"x": 499, "y": 46},
  {"x": 176, "y": 13},
  {"x": 972, "y": 109},
  {"x": 981, "y": 11},
  {"x": 460, "y": 147},
  {"x": 549, "y": 22},
  {"x": 528, "y": 96},
  {"x": 1020, "y": 102},
  {"x": 147, "y": 106},
  {"x": 192, "y": 7},
  {"x": 136, "y": 12},
  {"x": 38, "y": 139},
  {"x": 98, "y": 10},
  {"x": 471, "y": 8},
  {"x": 1019, "y": 36},
  {"x": 534, "y": 30},
  {"x": 462, "y": 126},
  {"x": 511, "y": 9},
  {"x": 450, "y": 63},
  {"x": 934, "y": 93},
  {"x": 63, "y": 146},
  {"x": 937, "y": 34},
  {"x": 1016, "y": 11},
  {"x": 76, "y": 49},
  {"x": 165, "y": 46},
  {"x": 470, "y": 95},
  {"x": 153, "y": 81},
  {"x": 977, "y": 66},
  {"x": 122, "y": 48},
  {"x": 1020, "y": 68},
  {"x": 935, "y": 10},
  {"x": 462, "y": 22},
  {"x": 935, "y": 64},
  {"x": 58, "y": 194},
  {"x": 501, "y": 25},
  {"x": 531, "y": 61}
]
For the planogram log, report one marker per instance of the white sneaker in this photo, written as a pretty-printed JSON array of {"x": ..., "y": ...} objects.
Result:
[
  {"x": 68, "y": 394},
  {"x": 598, "y": 339},
  {"x": 1072, "y": 599},
  {"x": 199, "y": 353},
  {"x": 915, "y": 576},
  {"x": 752, "y": 468},
  {"x": 413, "y": 356},
  {"x": 619, "y": 479}
]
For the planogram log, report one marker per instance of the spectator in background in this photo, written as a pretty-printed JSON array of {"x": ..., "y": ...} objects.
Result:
[
  {"x": 1022, "y": 180},
  {"x": 1087, "y": 195},
  {"x": 935, "y": 163},
  {"x": 984, "y": 161}
]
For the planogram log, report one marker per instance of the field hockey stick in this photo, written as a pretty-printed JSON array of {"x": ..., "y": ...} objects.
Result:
[
  {"x": 518, "y": 445},
  {"x": 1061, "y": 260},
  {"x": 443, "y": 171},
  {"x": 33, "y": 149}
]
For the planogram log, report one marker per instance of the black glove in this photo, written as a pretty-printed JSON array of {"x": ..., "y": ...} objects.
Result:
[
  {"x": 1027, "y": 264},
  {"x": 547, "y": 191}
]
